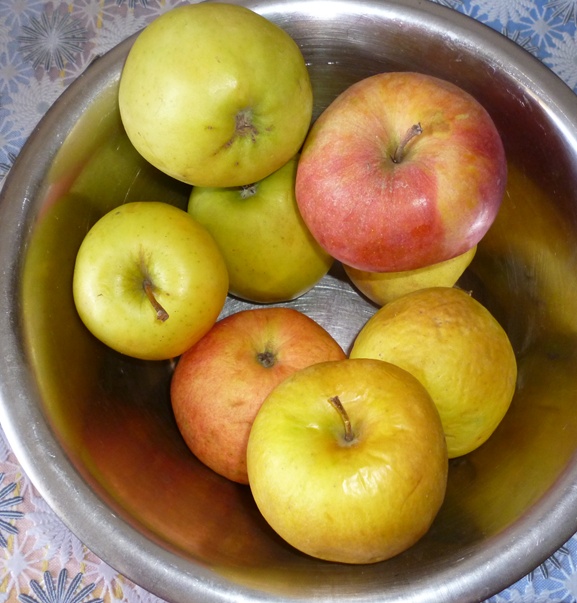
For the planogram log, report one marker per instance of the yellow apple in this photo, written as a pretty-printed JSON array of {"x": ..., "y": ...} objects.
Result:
[
  {"x": 148, "y": 280},
  {"x": 383, "y": 287},
  {"x": 347, "y": 460},
  {"x": 456, "y": 349}
]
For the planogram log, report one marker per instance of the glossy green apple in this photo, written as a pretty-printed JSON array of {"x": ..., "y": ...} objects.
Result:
[
  {"x": 347, "y": 460},
  {"x": 215, "y": 95},
  {"x": 149, "y": 281},
  {"x": 270, "y": 254}
]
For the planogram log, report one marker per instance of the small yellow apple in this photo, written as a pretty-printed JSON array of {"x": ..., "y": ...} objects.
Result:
[
  {"x": 383, "y": 287},
  {"x": 149, "y": 281}
]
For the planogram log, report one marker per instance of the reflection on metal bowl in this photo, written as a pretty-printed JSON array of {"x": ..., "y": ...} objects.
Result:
[{"x": 94, "y": 430}]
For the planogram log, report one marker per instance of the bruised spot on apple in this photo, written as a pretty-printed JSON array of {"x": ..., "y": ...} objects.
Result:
[
  {"x": 220, "y": 382},
  {"x": 401, "y": 171}
]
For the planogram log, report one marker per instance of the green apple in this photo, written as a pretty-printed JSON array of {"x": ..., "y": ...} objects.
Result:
[
  {"x": 214, "y": 94},
  {"x": 270, "y": 254},
  {"x": 347, "y": 460},
  {"x": 149, "y": 281}
]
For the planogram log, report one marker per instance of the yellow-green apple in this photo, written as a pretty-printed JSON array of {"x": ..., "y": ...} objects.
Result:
[
  {"x": 149, "y": 281},
  {"x": 383, "y": 287},
  {"x": 347, "y": 460},
  {"x": 214, "y": 94},
  {"x": 402, "y": 170},
  {"x": 270, "y": 254},
  {"x": 220, "y": 383},
  {"x": 457, "y": 349}
]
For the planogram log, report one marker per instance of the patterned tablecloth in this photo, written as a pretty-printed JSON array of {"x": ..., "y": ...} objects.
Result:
[{"x": 44, "y": 46}]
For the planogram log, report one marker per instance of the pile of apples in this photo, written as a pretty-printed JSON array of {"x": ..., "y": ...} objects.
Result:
[{"x": 398, "y": 179}]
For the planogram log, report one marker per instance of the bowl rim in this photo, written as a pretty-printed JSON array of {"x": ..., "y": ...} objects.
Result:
[{"x": 512, "y": 553}]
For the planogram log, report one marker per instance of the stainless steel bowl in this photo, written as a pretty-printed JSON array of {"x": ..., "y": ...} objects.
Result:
[{"x": 94, "y": 430}]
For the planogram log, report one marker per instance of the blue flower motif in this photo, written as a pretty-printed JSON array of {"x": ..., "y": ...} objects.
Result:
[
  {"x": 59, "y": 592},
  {"x": 6, "y": 513},
  {"x": 567, "y": 9},
  {"x": 52, "y": 40},
  {"x": 132, "y": 3}
]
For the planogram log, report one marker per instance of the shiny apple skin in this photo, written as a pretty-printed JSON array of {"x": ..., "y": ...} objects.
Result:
[
  {"x": 156, "y": 242},
  {"x": 220, "y": 383},
  {"x": 437, "y": 202},
  {"x": 354, "y": 502}
]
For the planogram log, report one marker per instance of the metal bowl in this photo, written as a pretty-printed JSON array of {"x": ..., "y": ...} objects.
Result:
[{"x": 94, "y": 430}]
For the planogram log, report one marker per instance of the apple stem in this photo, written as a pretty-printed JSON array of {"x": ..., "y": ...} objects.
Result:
[
  {"x": 336, "y": 403},
  {"x": 413, "y": 131},
  {"x": 161, "y": 313}
]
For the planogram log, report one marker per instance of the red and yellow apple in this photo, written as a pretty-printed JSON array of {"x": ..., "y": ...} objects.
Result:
[
  {"x": 215, "y": 94},
  {"x": 219, "y": 383},
  {"x": 401, "y": 171},
  {"x": 347, "y": 460}
]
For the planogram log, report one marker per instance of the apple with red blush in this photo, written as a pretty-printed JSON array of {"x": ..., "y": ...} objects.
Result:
[
  {"x": 220, "y": 383},
  {"x": 402, "y": 170}
]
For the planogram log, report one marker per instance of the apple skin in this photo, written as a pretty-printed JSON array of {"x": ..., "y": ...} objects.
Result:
[
  {"x": 355, "y": 502},
  {"x": 434, "y": 203},
  {"x": 214, "y": 94},
  {"x": 220, "y": 383},
  {"x": 384, "y": 287},
  {"x": 270, "y": 254},
  {"x": 164, "y": 244}
]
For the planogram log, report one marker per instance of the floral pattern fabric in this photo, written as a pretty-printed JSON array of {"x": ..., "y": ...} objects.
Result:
[{"x": 44, "y": 46}]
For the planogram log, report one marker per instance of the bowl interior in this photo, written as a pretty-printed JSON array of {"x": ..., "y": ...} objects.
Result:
[{"x": 105, "y": 450}]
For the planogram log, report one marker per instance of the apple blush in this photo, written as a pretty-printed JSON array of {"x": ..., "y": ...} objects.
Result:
[
  {"x": 220, "y": 383},
  {"x": 401, "y": 171}
]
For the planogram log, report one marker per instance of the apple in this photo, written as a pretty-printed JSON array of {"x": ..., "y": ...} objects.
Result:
[
  {"x": 270, "y": 254},
  {"x": 220, "y": 383},
  {"x": 214, "y": 94},
  {"x": 457, "y": 349},
  {"x": 347, "y": 460},
  {"x": 414, "y": 166},
  {"x": 149, "y": 281},
  {"x": 383, "y": 287}
]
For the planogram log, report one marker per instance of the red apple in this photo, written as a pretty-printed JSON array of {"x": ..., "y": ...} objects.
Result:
[
  {"x": 401, "y": 171},
  {"x": 220, "y": 383}
]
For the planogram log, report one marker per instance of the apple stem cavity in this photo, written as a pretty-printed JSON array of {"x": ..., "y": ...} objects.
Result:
[
  {"x": 267, "y": 359},
  {"x": 412, "y": 132},
  {"x": 248, "y": 190},
  {"x": 336, "y": 403},
  {"x": 161, "y": 313}
]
